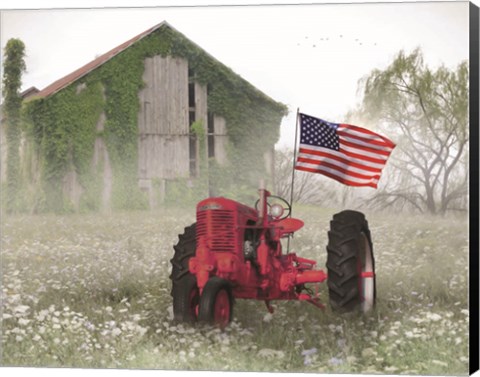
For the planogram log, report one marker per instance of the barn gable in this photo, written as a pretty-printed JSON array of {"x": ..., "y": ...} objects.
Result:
[{"x": 155, "y": 110}]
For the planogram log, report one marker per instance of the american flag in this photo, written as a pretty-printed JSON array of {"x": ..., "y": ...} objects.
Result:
[{"x": 349, "y": 154}]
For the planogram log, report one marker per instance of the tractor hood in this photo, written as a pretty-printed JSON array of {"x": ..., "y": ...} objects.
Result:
[{"x": 222, "y": 203}]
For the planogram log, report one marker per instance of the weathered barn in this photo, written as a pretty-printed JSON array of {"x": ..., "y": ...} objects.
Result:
[{"x": 155, "y": 115}]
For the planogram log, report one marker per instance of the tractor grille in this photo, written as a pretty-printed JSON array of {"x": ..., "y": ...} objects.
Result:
[{"x": 218, "y": 227}]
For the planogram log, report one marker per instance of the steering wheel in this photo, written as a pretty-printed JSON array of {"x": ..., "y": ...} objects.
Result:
[{"x": 277, "y": 203}]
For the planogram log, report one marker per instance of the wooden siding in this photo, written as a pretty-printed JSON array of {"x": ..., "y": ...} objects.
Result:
[
  {"x": 201, "y": 115},
  {"x": 221, "y": 139},
  {"x": 163, "y": 149}
]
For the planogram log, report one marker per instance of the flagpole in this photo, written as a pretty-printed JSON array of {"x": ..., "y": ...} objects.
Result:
[
  {"x": 294, "y": 158},
  {"x": 293, "y": 173}
]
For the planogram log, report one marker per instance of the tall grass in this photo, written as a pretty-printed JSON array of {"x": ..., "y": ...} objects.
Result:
[{"x": 93, "y": 291}]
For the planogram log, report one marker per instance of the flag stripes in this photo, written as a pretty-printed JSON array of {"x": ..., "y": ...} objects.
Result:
[
  {"x": 326, "y": 172},
  {"x": 315, "y": 157}
]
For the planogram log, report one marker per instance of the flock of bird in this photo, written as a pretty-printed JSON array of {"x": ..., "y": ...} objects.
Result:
[{"x": 326, "y": 39}]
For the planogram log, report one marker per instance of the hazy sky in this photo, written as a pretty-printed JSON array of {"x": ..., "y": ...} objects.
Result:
[{"x": 306, "y": 56}]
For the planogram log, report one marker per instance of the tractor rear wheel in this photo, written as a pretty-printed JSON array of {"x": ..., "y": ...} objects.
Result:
[
  {"x": 184, "y": 284},
  {"x": 216, "y": 303},
  {"x": 350, "y": 263}
]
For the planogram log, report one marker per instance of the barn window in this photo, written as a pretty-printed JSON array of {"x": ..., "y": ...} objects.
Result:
[
  {"x": 191, "y": 95},
  {"x": 193, "y": 147},
  {"x": 211, "y": 136}
]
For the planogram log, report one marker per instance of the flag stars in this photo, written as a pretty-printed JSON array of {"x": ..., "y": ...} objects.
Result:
[{"x": 317, "y": 132}]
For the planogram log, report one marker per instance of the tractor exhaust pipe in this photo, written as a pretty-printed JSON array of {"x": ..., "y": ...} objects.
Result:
[{"x": 262, "y": 212}]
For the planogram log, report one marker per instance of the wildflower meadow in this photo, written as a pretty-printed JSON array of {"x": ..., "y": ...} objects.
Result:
[{"x": 93, "y": 291}]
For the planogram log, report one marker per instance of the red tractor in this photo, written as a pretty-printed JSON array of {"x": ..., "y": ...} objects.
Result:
[{"x": 235, "y": 251}]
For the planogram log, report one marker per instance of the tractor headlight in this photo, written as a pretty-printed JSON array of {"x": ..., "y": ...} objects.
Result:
[{"x": 276, "y": 210}]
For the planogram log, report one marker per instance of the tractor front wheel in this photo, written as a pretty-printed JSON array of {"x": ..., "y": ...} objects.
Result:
[
  {"x": 350, "y": 263},
  {"x": 216, "y": 303}
]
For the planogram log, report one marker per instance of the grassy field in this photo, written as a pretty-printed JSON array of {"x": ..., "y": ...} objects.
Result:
[{"x": 92, "y": 291}]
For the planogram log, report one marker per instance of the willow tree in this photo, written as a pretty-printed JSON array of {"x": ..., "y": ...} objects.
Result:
[
  {"x": 426, "y": 112},
  {"x": 13, "y": 67}
]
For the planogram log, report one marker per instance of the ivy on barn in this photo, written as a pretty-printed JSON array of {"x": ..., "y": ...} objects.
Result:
[{"x": 63, "y": 124}]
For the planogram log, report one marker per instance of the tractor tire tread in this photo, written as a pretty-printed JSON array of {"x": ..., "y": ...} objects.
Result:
[
  {"x": 184, "y": 250},
  {"x": 344, "y": 237}
]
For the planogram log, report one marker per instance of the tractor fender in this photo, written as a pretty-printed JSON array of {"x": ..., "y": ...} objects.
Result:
[{"x": 288, "y": 225}]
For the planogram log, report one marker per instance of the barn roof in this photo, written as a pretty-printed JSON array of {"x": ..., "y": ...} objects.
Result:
[
  {"x": 87, "y": 68},
  {"x": 102, "y": 59}
]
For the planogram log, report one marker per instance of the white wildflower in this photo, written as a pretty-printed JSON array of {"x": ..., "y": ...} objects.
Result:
[
  {"x": 270, "y": 353},
  {"x": 435, "y": 317},
  {"x": 267, "y": 317},
  {"x": 23, "y": 321},
  {"x": 170, "y": 313},
  {"x": 116, "y": 331},
  {"x": 391, "y": 369},
  {"x": 441, "y": 363},
  {"x": 136, "y": 317},
  {"x": 21, "y": 309},
  {"x": 42, "y": 314}
]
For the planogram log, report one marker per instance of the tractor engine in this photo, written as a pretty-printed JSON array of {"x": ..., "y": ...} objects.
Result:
[{"x": 221, "y": 248}]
